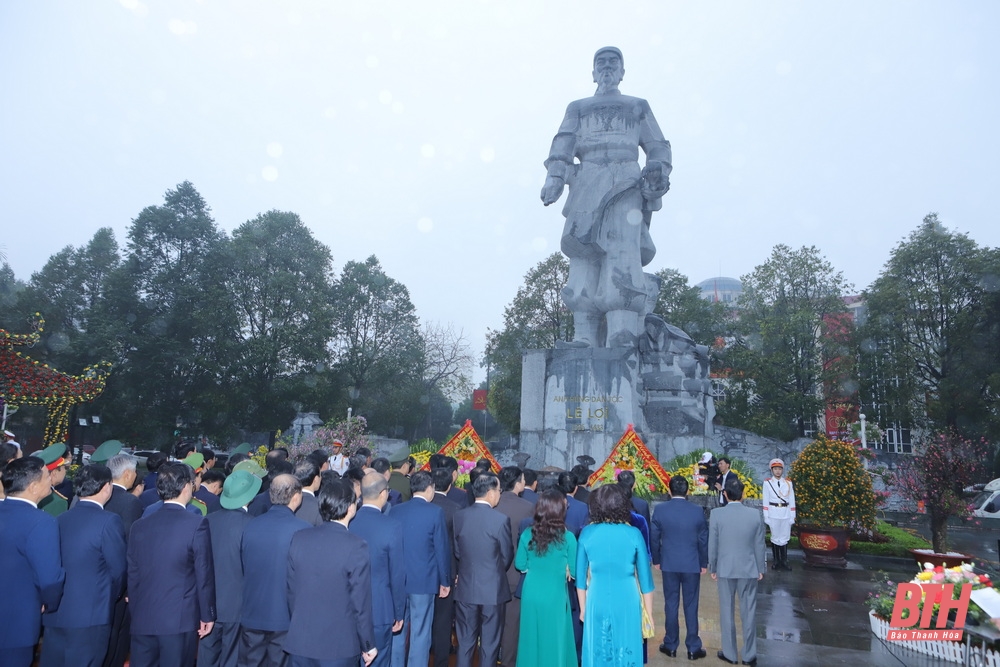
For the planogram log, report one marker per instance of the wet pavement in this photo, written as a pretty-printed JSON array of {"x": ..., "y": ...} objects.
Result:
[
  {"x": 809, "y": 617},
  {"x": 815, "y": 617}
]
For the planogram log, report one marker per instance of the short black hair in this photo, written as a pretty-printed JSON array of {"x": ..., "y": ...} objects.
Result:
[
  {"x": 486, "y": 482},
  {"x": 358, "y": 460},
  {"x": 22, "y": 473},
  {"x": 90, "y": 479},
  {"x": 335, "y": 499},
  {"x": 172, "y": 478},
  {"x": 678, "y": 486},
  {"x": 354, "y": 474},
  {"x": 627, "y": 479},
  {"x": 420, "y": 480},
  {"x": 281, "y": 468},
  {"x": 320, "y": 456},
  {"x": 582, "y": 474},
  {"x": 381, "y": 464},
  {"x": 306, "y": 471},
  {"x": 530, "y": 476},
  {"x": 567, "y": 482},
  {"x": 726, "y": 459},
  {"x": 442, "y": 479},
  {"x": 212, "y": 475},
  {"x": 234, "y": 459},
  {"x": 451, "y": 463},
  {"x": 437, "y": 461},
  {"x": 509, "y": 477},
  {"x": 274, "y": 457},
  {"x": 207, "y": 453},
  {"x": 182, "y": 450},
  {"x": 734, "y": 489},
  {"x": 155, "y": 460},
  {"x": 363, "y": 451},
  {"x": 328, "y": 476}
]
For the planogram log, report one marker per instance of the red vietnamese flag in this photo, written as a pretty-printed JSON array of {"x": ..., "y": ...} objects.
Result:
[{"x": 479, "y": 399}]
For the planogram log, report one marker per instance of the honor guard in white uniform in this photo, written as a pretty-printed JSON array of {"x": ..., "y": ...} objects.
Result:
[{"x": 779, "y": 512}]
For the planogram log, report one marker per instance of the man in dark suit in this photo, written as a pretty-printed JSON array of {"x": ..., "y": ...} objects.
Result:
[
  {"x": 679, "y": 544},
  {"x": 530, "y": 492},
  {"x": 725, "y": 474},
  {"x": 264, "y": 552},
  {"x": 455, "y": 494},
  {"x": 736, "y": 562},
  {"x": 32, "y": 570},
  {"x": 329, "y": 588},
  {"x": 582, "y": 474},
  {"x": 484, "y": 549},
  {"x": 153, "y": 464},
  {"x": 626, "y": 480},
  {"x": 92, "y": 544},
  {"x": 444, "y": 607},
  {"x": 577, "y": 513},
  {"x": 382, "y": 466},
  {"x": 384, "y": 536},
  {"x": 171, "y": 586},
  {"x": 428, "y": 568},
  {"x": 211, "y": 486},
  {"x": 220, "y": 648},
  {"x": 516, "y": 509},
  {"x": 126, "y": 505},
  {"x": 307, "y": 472}
]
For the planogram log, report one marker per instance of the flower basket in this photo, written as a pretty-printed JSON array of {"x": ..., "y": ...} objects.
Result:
[
  {"x": 824, "y": 546},
  {"x": 950, "y": 559}
]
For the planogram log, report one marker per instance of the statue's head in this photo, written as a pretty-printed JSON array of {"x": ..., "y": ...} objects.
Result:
[{"x": 609, "y": 67}]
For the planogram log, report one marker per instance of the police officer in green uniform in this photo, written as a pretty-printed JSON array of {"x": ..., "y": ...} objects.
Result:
[{"x": 54, "y": 457}]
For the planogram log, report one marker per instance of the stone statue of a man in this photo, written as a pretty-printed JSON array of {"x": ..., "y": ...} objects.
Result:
[{"x": 609, "y": 206}]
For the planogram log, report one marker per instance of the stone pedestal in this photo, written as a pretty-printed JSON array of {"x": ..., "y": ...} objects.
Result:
[{"x": 581, "y": 400}]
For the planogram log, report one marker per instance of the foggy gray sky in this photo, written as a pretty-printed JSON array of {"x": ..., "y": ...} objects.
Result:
[{"x": 416, "y": 131}]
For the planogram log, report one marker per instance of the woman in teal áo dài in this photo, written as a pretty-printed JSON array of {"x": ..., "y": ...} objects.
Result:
[
  {"x": 612, "y": 567},
  {"x": 546, "y": 553}
]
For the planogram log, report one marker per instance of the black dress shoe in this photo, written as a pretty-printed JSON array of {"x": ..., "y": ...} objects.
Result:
[
  {"x": 697, "y": 655},
  {"x": 752, "y": 663},
  {"x": 667, "y": 652},
  {"x": 723, "y": 658}
]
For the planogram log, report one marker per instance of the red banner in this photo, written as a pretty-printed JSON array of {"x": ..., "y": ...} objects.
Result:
[{"x": 479, "y": 399}]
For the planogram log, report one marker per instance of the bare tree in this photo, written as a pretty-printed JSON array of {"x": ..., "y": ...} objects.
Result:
[{"x": 448, "y": 361}]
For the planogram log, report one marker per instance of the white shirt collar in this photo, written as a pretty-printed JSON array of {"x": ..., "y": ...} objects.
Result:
[{"x": 24, "y": 500}]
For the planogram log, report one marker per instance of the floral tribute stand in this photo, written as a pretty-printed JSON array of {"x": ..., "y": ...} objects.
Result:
[
  {"x": 466, "y": 445},
  {"x": 24, "y": 381},
  {"x": 631, "y": 453},
  {"x": 977, "y": 623}
]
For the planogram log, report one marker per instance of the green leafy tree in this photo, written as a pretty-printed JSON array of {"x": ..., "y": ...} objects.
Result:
[
  {"x": 177, "y": 325},
  {"x": 535, "y": 319},
  {"x": 931, "y": 340},
  {"x": 792, "y": 352},
  {"x": 281, "y": 282},
  {"x": 378, "y": 346},
  {"x": 681, "y": 305}
]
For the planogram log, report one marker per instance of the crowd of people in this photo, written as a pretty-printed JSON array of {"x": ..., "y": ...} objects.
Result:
[{"x": 338, "y": 560}]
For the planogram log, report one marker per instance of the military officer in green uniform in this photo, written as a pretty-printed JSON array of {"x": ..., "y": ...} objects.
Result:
[
  {"x": 399, "y": 478},
  {"x": 197, "y": 462},
  {"x": 108, "y": 450},
  {"x": 54, "y": 457}
]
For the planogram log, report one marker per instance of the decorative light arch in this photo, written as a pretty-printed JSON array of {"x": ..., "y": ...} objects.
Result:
[{"x": 24, "y": 381}]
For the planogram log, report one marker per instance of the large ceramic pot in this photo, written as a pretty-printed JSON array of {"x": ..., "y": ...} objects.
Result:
[{"x": 823, "y": 546}]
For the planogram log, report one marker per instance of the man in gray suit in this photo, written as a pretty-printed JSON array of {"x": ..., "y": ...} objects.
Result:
[{"x": 736, "y": 563}]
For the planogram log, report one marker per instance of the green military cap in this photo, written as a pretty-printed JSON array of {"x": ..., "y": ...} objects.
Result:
[
  {"x": 400, "y": 455},
  {"x": 251, "y": 467},
  {"x": 239, "y": 489},
  {"x": 242, "y": 448},
  {"x": 53, "y": 455},
  {"x": 195, "y": 459},
  {"x": 107, "y": 450}
]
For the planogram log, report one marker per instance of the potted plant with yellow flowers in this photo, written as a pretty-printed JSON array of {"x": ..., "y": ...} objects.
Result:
[{"x": 834, "y": 497}]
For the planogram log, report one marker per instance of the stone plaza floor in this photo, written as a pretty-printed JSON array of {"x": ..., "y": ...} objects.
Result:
[{"x": 809, "y": 617}]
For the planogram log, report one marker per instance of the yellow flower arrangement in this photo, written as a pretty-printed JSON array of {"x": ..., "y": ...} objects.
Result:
[{"x": 686, "y": 465}]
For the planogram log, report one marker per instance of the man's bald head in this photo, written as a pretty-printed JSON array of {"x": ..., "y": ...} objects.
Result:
[
  {"x": 283, "y": 489},
  {"x": 372, "y": 487}
]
